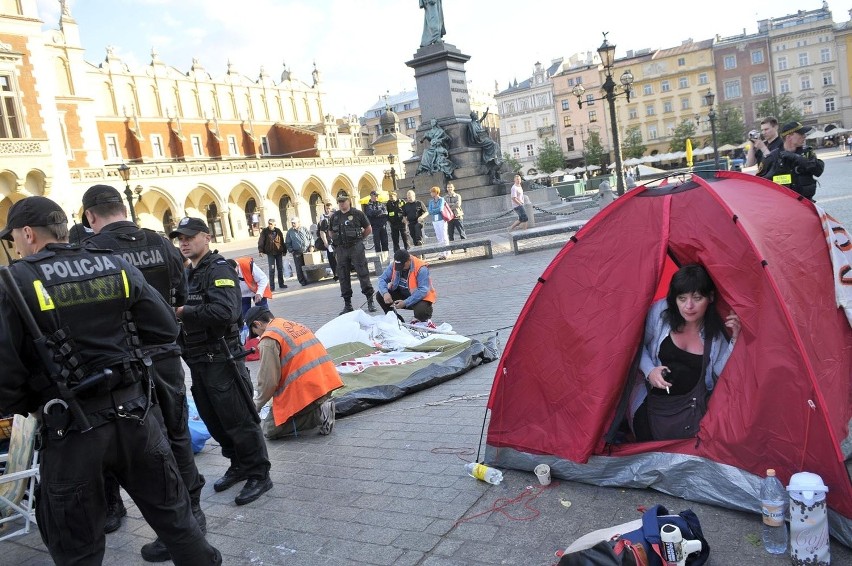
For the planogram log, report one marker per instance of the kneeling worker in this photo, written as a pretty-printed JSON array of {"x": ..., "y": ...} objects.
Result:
[
  {"x": 406, "y": 284},
  {"x": 295, "y": 372}
]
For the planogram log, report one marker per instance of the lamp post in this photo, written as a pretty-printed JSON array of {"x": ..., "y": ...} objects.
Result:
[
  {"x": 124, "y": 171},
  {"x": 392, "y": 172},
  {"x": 611, "y": 91},
  {"x": 710, "y": 98}
]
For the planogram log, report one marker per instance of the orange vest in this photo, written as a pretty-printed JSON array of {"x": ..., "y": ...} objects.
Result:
[
  {"x": 307, "y": 371},
  {"x": 416, "y": 264},
  {"x": 246, "y": 264}
]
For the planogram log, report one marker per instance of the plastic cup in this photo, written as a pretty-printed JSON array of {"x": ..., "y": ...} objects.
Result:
[{"x": 542, "y": 472}]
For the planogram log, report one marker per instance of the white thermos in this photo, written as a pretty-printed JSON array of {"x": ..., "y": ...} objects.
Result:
[{"x": 808, "y": 520}]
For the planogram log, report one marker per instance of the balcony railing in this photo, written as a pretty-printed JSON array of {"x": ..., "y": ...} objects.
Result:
[
  {"x": 547, "y": 131},
  {"x": 225, "y": 167}
]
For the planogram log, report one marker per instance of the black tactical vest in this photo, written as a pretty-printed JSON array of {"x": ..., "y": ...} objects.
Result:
[
  {"x": 345, "y": 228},
  {"x": 146, "y": 250},
  {"x": 199, "y": 283},
  {"x": 81, "y": 297}
]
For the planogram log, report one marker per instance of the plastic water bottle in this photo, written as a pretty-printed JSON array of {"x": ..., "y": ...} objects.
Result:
[
  {"x": 244, "y": 333},
  {"x": 484, "y": 473},
  {"x": 773, "y": 502}
]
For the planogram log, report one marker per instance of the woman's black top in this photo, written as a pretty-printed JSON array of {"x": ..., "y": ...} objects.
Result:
[{"x": 685, "y": 368}]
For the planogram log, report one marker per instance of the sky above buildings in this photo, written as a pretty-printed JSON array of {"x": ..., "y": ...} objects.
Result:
[{"x": 360, "y": 46}]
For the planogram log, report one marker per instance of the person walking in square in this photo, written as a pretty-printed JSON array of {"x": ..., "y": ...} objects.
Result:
[
  {"x": 436, "y": 212},
  {"x": 397, "y": 220},
  {"x": 221, "y": 386},
  {"x": 454, "y": 200},
  {"x": 377, "y": 214},
  {"x": 517, "y": 196},
  {"x": 296, "y": 373},
  {"x": 271, "y": 244},
  {"x": 298, "y": 241}
]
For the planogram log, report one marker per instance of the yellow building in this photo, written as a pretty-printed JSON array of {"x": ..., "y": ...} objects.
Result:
[{"x": 668, "y": 88}]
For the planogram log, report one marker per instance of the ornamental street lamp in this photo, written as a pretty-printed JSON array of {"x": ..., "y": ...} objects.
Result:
[
  {"x": 392, "y": 172},
  {"x": 124, "y": 172},
  {"x": 710, "y": 98},
  {"x": 611, "y": 91}
]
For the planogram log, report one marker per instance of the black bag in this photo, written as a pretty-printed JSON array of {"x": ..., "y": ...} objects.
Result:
[
  {"x": 319, "y": 245},
  {"x": 643, "y": 546},
  {"x": 618, "y": 552}
]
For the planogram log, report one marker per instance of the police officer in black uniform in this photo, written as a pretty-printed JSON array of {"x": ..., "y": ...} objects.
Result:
[
  {"x": 377, "y": 214},
  {"x": 793, "y": 165},
  {"x": 397, "y": 221},
  {"x": 71, "y": 328},
  {"x": 349, "y": 227},
  {"x": 162, "y": 266},
  {"x": 221, "y": 386}
]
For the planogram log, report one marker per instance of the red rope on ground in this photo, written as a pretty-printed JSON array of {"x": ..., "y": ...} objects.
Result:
[{"x": 500, "y": 505}]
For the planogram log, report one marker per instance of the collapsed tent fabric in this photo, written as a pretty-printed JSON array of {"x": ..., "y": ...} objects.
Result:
[
  {"x": 379, "y": 361},
  {"x": 783, "y": 400}
]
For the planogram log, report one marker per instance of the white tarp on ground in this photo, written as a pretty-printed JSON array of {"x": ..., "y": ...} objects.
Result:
[{"x": 381, "y": 361}]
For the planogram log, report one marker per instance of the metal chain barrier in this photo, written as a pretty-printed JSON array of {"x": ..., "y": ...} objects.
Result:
[
  {"x": 594, "y": 205},
  {"x": 488, "y": 220}
]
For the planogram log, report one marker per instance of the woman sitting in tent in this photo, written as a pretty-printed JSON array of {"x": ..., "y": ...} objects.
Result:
[{"x": 683, "y": 354}]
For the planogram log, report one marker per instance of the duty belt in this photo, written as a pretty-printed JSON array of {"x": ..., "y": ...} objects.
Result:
[{"x": 58, "y": 419}]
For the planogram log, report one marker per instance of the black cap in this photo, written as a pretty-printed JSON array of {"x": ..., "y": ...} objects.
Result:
[
  {"x": 252, "y": 316},
  {"x": 341, "y": 198},
  {"x": 189, "y": 226},
  {"x": 32, "y": 211},
  {"x": 374, "y": 194},
  {"x": 99, "y": 194},
  {"x": 401, "y": 256},
  {"x": 794, "y": 128}
]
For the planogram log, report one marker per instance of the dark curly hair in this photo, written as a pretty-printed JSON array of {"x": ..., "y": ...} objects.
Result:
[{"x": 692, "y": 278}]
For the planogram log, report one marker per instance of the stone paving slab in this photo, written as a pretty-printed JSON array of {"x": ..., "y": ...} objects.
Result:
[{"x": 388, "y": 485}]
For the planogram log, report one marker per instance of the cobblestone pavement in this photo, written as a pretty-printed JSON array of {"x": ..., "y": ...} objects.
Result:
[{"x": 388, "y": 485}]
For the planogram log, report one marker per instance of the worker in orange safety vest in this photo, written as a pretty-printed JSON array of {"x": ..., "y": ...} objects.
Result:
[
  {"x": 254, "y": 284},
  {"x": 296, "y": 372}
]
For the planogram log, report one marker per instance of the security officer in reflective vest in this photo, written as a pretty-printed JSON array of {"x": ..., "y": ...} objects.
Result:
[
  {"x": 72, "y": 322},
  {"x": 162, "y": 266},
  {"x": 793, "y": 165},
  {"x": 221, "y": 386},
  {"x": 349, "y": 227}
]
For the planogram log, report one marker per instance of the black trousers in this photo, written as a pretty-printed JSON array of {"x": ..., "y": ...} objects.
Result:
[
  {"x": 275, "y": 261},
  {"x": 397, "y": 232},
  {"x": 227, "y": 416},
  {"x": 347, "y": 258},
  {"x": 169, "y": 384},
  {"x": 456, "y": 224},
  {"x": 416, "y": 231},
  {"x": 422, "y": 310},
  {"x": 380, "y": 237},
  {"x": 299, "y": 262},
  {"x": 70, "y": 504}
]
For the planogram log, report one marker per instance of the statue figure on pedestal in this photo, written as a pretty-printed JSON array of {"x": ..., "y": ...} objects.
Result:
[
  {"x": 478, "y": 137},
  {"x": 436, "y": 157},
  {"x": 433, "y": 22}
]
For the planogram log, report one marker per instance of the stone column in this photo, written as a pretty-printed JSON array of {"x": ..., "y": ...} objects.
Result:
[{"x": 226, "y": 226}]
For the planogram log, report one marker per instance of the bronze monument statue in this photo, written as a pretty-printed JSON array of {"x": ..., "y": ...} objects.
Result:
[
  {"x": 433, "y": 22},
  {"x": 478, "y": 136},
  {"x": 436, "y": 157}
]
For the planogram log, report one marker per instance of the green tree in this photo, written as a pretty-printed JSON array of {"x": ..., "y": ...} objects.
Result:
[
  {"x": 513, "y": 164},
  {"x": 550, "y": 157},
  {"x": 730, "y": 127},
  {"x": 782, "y": 107},
  {"x": 685, "y": 130},
  {"x": 593, "y": 150},
  {"x": 632, "y": 145}
]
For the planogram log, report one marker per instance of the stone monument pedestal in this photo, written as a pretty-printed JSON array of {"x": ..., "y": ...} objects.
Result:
[{"x": 443, "y": 95}]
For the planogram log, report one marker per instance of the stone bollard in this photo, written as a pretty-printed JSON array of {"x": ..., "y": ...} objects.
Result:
[{"x": 605, "y": 194}]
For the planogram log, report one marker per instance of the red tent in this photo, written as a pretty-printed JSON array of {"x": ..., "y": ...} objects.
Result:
[{"x": 783, "y": 400}]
